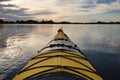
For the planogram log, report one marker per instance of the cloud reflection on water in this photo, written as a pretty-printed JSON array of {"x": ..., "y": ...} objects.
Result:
[{"x": 103, "y": 38}]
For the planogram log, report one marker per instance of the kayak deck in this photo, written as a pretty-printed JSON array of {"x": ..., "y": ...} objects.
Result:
[{"x": 60, "y": 55}]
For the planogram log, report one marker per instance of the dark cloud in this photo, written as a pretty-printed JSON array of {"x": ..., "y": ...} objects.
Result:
[
  {"x": 88, "y": 6},
  {"x": 105, "y": 1},
  {"x": 14, "y": 17},
  {"x": 19, "y": 12},
  {"x": 45, "y": 13},
  {"x": 13, "y": 14},
  {"x": 4, "y": 0},
  {"x": 12, "y": 11},
  {"x": 6, "y": 12},
  {"x": 8, "y": 5}
]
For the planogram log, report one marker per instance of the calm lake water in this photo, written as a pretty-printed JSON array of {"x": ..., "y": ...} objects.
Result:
[{"x": 99, "y": 42}]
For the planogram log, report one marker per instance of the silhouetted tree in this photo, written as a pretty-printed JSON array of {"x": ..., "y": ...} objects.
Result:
[
  {"x": 42, "y": 21},
  {"x": 31, "y": 21},
  {"x": 1, "y": 21},
  {"x": 50, "y": 21},
  {"x": 64, "y": 22},
  {"x": 20, "y": 21},
  {"x": 47, "y": 22}
]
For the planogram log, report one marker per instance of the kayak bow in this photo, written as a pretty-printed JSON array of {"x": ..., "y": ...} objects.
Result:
[{"x": 60, "y": 55}]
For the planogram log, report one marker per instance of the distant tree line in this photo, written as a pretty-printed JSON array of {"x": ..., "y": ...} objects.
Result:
[{"x": 51, "y": 22}]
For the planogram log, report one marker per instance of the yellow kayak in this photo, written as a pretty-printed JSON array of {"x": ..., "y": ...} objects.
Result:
[{"x": 60, "y": 58}]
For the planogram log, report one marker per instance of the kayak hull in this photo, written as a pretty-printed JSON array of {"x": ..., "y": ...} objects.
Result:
[{"x": 60, "y": 59}]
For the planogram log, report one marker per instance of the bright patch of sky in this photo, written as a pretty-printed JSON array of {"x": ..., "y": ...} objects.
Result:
[{"x": 61, "y": 10}]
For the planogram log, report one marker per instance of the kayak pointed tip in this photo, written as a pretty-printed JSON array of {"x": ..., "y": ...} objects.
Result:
[
  {"x": 60, "y": 30},
  {"x": 61, "y": 35}
]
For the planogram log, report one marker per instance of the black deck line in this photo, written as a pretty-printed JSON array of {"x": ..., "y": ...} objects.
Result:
[{"x": 51, "y": 57}]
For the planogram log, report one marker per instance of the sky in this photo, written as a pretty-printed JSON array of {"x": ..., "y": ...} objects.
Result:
[{"x": 61, "y": 10}]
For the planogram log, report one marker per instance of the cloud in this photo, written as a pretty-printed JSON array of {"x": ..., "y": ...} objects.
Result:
[
  {"x": 106, "y": 1},
  {"x": 4, "y": 0},
  {"x": 101, "y": 8},
  {"x": 8, "y": 5},
  {"x": 6, "y": 11},
  {"x": 66, "y": 2},
  {"x": 13, "y": 12},
  {"x": 44, "y": 12},
  {"x": 89, "y": 6},
  {"x": 57, "y": 9},
  {"x": 14, "y": 17},
  {"x": 18, "y": 12},
  {"x": 84, "y": 10}
]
